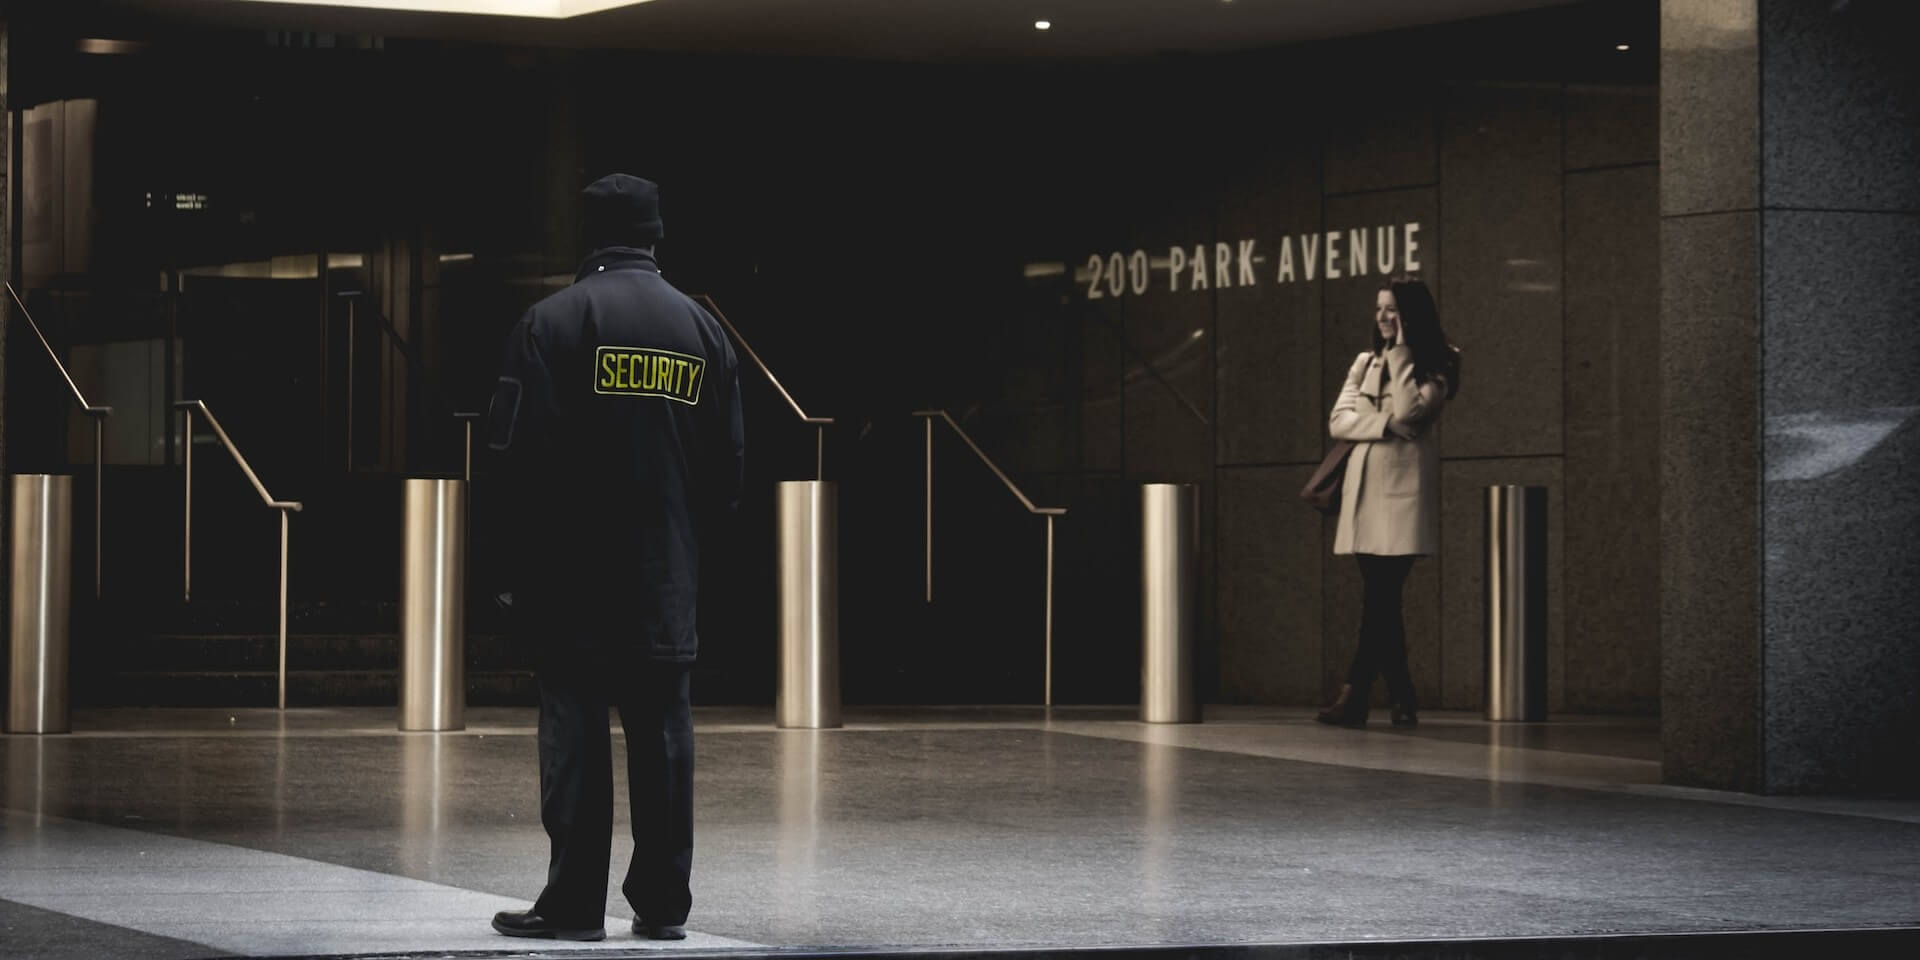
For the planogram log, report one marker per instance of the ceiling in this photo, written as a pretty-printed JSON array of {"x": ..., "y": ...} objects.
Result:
[{"x": 910, "y": 30}]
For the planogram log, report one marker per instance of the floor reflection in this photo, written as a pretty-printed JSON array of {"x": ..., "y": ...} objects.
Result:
[
  {"x": 797, "y": 763},
  {"x": 26, "y": 789},
  {"x": 423, "y": 802},
  {"x": 1161, "y": 778}
]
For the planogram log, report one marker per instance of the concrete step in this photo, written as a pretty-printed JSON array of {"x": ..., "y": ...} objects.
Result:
[
  {"x": 243, "y": 652},
  {"x": 215, "y": 617},
  {"x": 305, "y": 688}
]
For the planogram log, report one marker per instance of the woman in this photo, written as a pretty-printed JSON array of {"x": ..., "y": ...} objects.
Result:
[{"x": 1390, "y": 501}]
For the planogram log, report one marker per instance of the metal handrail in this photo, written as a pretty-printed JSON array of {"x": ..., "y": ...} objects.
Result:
[
  {"x": 820, "y": 423},
  {"x": 96, "y": 414},
  {"x": 396, "y": 340},
  {"x": 1147, "y": 367},
  {"x": 191, "y": 406},
  {"x": 1002, "y": 474},
  {"x": 55, "y": 357},
  {"x": 285, "y": 507},
  {"x": 1048, "y": 512}
]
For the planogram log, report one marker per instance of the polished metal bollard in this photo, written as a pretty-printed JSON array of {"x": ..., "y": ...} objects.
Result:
[
  {"x": 809, "y": 574},
  {"x": 433, "y": 634},
  {"x": 42, "y": 599},
  {"x": 1516, "y": 603},
  {"x": 1169, "y": 576}
]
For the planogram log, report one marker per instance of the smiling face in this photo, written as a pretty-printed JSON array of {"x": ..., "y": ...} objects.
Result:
[{"x": 1386, "y": 315}]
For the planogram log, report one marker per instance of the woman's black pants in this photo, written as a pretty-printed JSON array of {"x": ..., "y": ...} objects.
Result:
[{"x": 1383, "y": 633}]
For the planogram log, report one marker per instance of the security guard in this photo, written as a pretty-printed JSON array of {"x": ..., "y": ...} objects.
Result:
[{"x": 616, "y": 423}]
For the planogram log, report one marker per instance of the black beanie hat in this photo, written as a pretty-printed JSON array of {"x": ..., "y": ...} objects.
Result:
[{"x": 618, "y": 210}]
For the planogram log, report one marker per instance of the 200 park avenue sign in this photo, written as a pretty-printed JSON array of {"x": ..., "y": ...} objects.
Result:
[{"x": 1297, "y": 258}]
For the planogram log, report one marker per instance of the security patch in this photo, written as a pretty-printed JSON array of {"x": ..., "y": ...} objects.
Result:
[{"x": 647, "y": 372}]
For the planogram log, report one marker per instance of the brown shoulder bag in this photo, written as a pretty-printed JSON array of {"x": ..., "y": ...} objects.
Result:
[{"x": 1323, "y": 491}]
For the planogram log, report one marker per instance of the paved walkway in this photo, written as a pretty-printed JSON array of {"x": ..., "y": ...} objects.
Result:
[{"x": 186, "y": 833}]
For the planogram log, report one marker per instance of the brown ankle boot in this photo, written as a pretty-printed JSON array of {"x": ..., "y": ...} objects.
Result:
[{"x": 1340, "y": 713}]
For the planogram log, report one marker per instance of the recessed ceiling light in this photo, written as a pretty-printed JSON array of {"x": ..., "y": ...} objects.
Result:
[
  {"x": 97, "y": 45},
  {"x": 1043, "y": 24},
  {"x": 1623, "y": 47}
]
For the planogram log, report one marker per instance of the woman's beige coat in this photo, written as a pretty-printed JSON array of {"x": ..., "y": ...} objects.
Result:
[{"x": 1390, "y": 503}]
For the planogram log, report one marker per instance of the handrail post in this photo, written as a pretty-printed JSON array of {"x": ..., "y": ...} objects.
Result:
[
  {"x": 929, "y": 509},
  {"x": 99, "y": 478},
  {"x": 466, "y": 464},
  {"x": 350, "y": 383},
  {"x": 186, "y": 591},
  {"x": 1049, "y": 611},
  {"x": 283, "y": 608}
]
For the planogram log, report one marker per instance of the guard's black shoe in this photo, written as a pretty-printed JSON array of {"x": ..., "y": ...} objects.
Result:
[
  {"x": 526, "y": 923},
  {"x": 659, "y": 931}
]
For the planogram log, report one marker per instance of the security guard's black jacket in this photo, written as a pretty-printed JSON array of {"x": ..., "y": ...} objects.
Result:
[{"x": 616, "y": 423}]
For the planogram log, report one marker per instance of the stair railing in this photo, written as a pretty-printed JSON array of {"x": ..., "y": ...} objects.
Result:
[
  {"x": 96, "y": 414},
  {"x": 820, "y": 424},
  {"x": 395, "y": 341},
  {"x": 1048, "y": 512},
  {"x": 285, "y": 507}
]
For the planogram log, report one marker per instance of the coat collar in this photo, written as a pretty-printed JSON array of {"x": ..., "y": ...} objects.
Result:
[{"x": 616, "y": 258}]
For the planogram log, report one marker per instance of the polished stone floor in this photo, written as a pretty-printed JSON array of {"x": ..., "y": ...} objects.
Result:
[{"x": 187, "y": 833}]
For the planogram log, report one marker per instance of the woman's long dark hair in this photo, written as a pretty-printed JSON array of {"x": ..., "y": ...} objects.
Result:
[{"x": 1420, "y": 319}]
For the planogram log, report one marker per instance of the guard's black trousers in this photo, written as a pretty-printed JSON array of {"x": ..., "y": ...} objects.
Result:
[
  {"x": 1383, "y": 631},
  {"x": 576, "y": 787}
]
